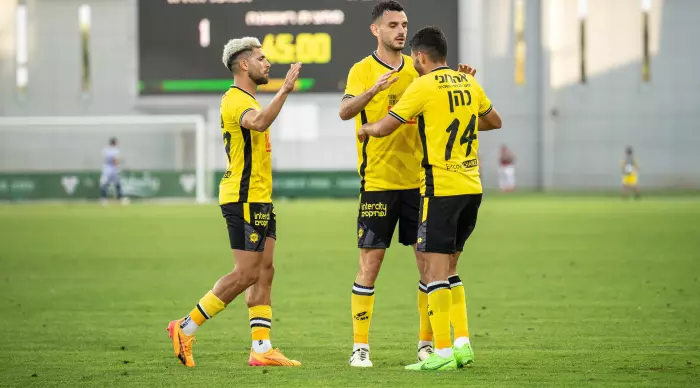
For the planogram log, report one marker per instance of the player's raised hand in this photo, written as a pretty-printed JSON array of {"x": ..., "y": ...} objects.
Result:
[
  {"x": 466, "y": 69},
  {"x": 291, "y": 78},
  {"x": 385, "y": 81}
]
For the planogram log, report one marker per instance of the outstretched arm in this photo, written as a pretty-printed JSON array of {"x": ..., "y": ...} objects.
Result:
[
  {"x": 261, "y": 120},
  {"x": 381, "y": 128},
  {"x": 352, "y": 106}
]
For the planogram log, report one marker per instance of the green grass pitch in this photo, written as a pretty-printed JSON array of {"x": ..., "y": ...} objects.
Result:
[{"x": 562, "y": 291}]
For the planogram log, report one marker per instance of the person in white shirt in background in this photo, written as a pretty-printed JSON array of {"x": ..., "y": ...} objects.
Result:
[
  {"x": 110, "y": 172},
  {"x": 506, "y": 169}
]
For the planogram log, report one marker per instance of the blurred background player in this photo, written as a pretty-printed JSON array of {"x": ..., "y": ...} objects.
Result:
[
  {"x": 449, "y": 106},
  {"x": 245, "y": 196},
  {"x": 506, "y": 169},
  {"x": 110, "y": 172},
  {"x": 630, "y": 171}
]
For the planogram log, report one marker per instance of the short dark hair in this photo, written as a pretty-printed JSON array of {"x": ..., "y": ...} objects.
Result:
[
  {"x": 113, "y": 141},
  {"x": 243, "y": 54},
  {"x": 383, "y": 6},
  {"x": 431, "y": 41}
]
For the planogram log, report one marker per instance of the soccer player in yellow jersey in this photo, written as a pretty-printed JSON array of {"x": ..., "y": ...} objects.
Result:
[
  {"x": 245, "y": 198},
  {"x": 630, "y": 169},
  {"x": 389, "y": 170},
  {"x": 451, "y": 108}
]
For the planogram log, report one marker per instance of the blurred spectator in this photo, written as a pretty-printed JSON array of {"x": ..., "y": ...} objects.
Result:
[
  {"x": 506, "y": 169},
  {"x": 110, "y": 172}
]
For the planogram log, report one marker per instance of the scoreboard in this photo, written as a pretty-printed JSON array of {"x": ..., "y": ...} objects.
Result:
[{"x": 181, "y": 41}]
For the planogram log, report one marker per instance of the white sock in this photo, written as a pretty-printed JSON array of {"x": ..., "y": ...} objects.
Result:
[
  {"x": 356, "y": 346},
  {"x": 461, "y": 341},
  {"x": 444, "y": 353},
  {"x": 262, "y": 346},
  {"x": 424, "y": 343},
  {"x": 188, "y": 326}
]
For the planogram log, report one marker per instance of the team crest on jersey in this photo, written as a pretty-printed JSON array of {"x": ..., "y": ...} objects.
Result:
[{"x": 254, "y": 238}]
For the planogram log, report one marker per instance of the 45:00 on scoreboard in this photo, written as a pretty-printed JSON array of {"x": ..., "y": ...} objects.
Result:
[
  {"x": 279, "y": 48},
  {"x": 304, "y": 47}
]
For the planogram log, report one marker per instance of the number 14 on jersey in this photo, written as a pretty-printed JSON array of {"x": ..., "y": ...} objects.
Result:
[{"x": 457, "y": 98}]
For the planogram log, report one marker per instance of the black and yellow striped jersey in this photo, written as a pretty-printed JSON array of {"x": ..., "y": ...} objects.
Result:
[
  {"x": 248, "y": 176},
  {"x": 448, "y": 105},
  {"x": 392, "y": 162}
]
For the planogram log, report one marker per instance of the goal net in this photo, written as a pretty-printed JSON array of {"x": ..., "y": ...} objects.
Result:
[{"x": 49, "y": 158}]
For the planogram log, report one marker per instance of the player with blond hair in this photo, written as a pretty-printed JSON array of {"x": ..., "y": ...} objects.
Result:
[{"x": 245, "y": 197}]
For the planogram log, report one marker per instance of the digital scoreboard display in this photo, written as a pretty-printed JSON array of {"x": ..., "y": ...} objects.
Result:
[{"x": 181, "y": 41}]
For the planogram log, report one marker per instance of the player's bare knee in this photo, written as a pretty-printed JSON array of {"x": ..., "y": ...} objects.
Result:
[
  {"x": 249, "y": 276},
  {"x": 267, "y": 268}
]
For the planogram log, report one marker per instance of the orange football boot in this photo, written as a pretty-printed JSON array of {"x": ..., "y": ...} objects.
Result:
[
  {"x": 272, "y": 357},
  {"x": 182, "y": 343}
]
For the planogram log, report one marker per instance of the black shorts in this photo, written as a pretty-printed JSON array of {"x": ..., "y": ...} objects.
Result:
[
  {"x": 250, "y": 224},
  {"x": 378, "y": 213},
  {"x": 447, "y": 222}
]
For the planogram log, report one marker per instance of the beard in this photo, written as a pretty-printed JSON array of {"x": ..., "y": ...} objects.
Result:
[
  {"x": 418, "y": 67},
  {"x": 392, "y": 45},
  {"x": 259, "y": 79}
]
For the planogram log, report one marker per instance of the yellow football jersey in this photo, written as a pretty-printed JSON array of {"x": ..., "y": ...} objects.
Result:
[
  {"x": 448, "y": 105},
  {"x": 248, "y": 176},
  {"x": 392, "y": 162}
]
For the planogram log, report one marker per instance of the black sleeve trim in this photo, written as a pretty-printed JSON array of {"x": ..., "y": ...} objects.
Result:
[
  {"x": 484, "y": 113},
  {"x": 240, "y": 119},
  {"x": 397, "y": 117}
]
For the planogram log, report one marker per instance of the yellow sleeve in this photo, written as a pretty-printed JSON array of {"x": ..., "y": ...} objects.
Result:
[
  {"x": 485, "y": 105},
  {"x": 233, "y": 110},
  {"x": 411, "y": 102},
  {"x": 357, "y": 81}
]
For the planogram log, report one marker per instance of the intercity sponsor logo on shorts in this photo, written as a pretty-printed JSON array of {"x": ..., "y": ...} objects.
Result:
[
  {"x": 369, "y": 210},
  {"x": 261, "y": 219}
]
